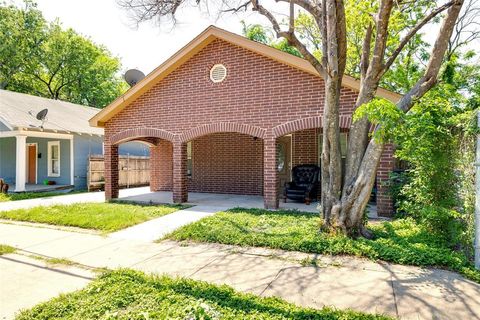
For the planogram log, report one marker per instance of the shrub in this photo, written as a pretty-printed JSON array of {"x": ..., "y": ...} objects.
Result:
[{"x": 444, "y": 223}]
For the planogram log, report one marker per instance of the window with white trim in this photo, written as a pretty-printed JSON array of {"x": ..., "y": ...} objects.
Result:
[{"x": 54, "y": 158}]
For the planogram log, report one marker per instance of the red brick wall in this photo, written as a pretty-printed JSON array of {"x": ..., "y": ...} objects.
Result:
[
  {"x": 257, "y": 92},
  {"x": 161, "y": 166},
  {"x": 384, "y": 201},
  {"x": 305, "y": 147},
  {"x": 227, "y": 163}
]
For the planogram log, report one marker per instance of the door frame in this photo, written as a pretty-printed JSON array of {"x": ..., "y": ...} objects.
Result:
[{"x": 28, "y": 161}]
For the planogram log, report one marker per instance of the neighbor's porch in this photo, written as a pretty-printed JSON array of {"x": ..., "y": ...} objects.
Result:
[
  {"x": 41, "y": 187},
  {"x": 28, "y": 158}
]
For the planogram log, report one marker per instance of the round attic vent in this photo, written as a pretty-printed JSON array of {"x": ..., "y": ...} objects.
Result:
[{"x": 218, "y": 73}]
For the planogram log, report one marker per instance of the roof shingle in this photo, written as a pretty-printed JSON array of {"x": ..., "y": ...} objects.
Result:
[{"x": 18, "y": 110}]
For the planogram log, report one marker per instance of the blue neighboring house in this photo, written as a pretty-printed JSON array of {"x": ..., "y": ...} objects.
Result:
[{"x": 56, "y": 149}]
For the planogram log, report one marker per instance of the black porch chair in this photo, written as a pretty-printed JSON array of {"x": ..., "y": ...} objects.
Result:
[{"x": 304, "y": 186}]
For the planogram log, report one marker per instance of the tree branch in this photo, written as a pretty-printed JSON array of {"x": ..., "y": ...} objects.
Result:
[
  {"x": 365, "y": 56},
  {"x": 291, "y": 23},
  {"x": 341, "y": 38},
  {"x": 307, "y": 5},
  {"x": 382, "y": 20},
  {"x": 412, "y": 33},
  {"x": 243, "y": 6},
  {"x": 430, "y": 75},
  {"x": 468, "y": 24},
  {"x": 290, "y": 36}
]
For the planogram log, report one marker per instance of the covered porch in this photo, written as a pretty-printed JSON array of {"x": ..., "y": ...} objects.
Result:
[
  {"x": 220, "y": 201},
  {"x": 230, "y": 159},
  {"x": 226, "y": 165},
  {"x": 29, "y": 158}
]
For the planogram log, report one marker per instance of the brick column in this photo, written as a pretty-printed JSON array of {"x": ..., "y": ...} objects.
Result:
[
  {"x": 111, "y": 171},
  {"x": 270, "y": 176},
  {"x": 180, "y": 191},
  {"x": 161, "y": 166},
  {"x": 386, "y": 166}
]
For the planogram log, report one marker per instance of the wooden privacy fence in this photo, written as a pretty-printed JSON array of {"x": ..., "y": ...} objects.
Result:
[{"x": 134, "y": 171}]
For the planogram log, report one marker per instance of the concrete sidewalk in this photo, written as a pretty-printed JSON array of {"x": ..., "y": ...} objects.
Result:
[
  {"x": 25, "y": 282},
  {"x": 343, "y": 282},
  {"x": 157, "y": 228},
  {"x": 67, "y": 199}
]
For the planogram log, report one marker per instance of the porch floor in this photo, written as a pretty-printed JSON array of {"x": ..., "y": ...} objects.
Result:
[
  {"x": 42, "y": 187},
  {"x": 224, "y": 201}
]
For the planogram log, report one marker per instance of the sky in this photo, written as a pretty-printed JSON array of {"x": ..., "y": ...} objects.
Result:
[{"x": 145, "y": 47}]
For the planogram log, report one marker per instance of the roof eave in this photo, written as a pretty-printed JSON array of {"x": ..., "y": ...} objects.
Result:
[
  {"x": 200, "y": 42},
  {"x": 181, "y": 56},
  {"x": 6, "y": 123}
]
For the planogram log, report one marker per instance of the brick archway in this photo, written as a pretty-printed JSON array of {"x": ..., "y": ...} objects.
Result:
[
  {"x": 142, "y": 134},
  {"x": 222, "y": 127},
  {"x": 307, "y": 123}
]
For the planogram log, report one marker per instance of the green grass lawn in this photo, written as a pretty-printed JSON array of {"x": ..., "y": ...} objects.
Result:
[
  {"x": 126, "y": 294},
  {"x": 106, "y": 217},
  {"x": 29, "y": 195},
  {"x": 401, "y": 241},
  {"x": 4, "y": 249}
]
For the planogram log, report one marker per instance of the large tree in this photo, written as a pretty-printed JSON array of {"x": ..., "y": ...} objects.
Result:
[
  {"x": 343, "y": 201},
  {"x": 21, "y": 33},
  {"x": 44, "y": 59}
]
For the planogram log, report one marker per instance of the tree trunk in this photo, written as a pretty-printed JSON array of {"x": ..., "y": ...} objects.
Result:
[
  {"x": 347, "y": 214},
  {"x": 334, "y": 55},
  {"x": 356, "y": 194},
  {"x": 331, "y": 159}
]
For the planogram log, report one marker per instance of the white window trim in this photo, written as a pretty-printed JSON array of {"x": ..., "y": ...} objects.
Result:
[{"x": 49, "y": 159}]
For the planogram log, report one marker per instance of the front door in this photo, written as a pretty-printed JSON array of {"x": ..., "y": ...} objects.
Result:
[
  {"x": 32, "y": 163},
  {"x": 284, "y": 161}
]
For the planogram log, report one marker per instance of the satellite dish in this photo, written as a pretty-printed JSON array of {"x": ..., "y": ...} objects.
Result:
[
  {"x": 133, "y": 76},
  {"x": 42, "y": 114}
]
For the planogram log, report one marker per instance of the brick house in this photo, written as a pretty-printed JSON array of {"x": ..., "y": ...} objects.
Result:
[{"x": 228, "y": 115}]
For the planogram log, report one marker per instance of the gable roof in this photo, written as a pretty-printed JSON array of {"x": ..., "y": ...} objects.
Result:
[
  {"x": 18, "y": 111},
  {"x": 200, "y": 42}
]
